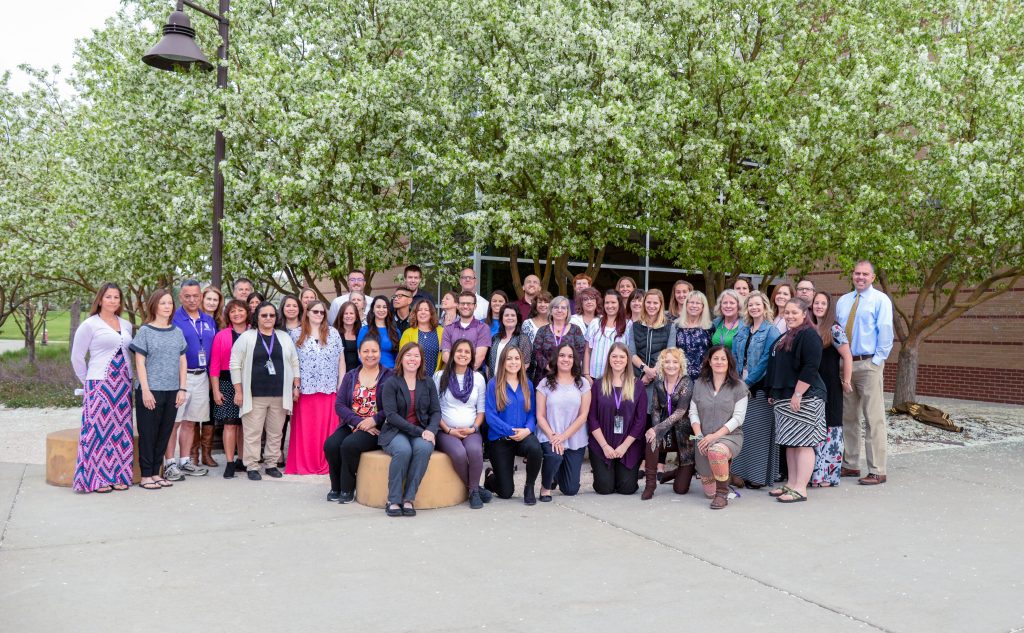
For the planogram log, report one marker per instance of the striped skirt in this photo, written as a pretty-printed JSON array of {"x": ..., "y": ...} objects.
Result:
[
  {"x": 805, "y": 427},
  {"x": 758, "y": 463},
  {"x": 105, "y": 447}
]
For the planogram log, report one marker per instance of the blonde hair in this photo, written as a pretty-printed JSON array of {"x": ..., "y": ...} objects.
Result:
[
  {"x": 740, "y": 305},
  {"x": 666, "y": 353},
  {"x": 628, "y": 381},
  {"x": 769, "y": 313},
  {"x": 501, "y": 379},
  {"x": 705, "y": 315},
  {"x": 659, "y": 320}
]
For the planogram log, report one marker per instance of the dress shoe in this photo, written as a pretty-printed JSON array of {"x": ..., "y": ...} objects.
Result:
[
  {"x": 530, "y": 497},
  {"x": 871, "y": 480},
  {"x": 849, "y": 472},
  {"x": 254, "y": 476},
  {"x": 275, "y": 473}
]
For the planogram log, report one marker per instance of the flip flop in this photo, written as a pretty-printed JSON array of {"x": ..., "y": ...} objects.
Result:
[
  {"x": 102, "y": 490},
  {"x": 778, "y": 492},
  {"x": 163, "y": 483},
  {"x": 149, "y": 485},
  {"x": 794, "y": 497},
  {"x": 120, "y": 487}
]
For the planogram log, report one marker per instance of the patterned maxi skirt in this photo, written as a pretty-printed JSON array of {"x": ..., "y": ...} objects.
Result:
[
  {"x": 828, "y": 458},
  {"x": 805, "y": 427},
  {"x": 758, "y": 463},
  {"x": 105, "y": 446}
]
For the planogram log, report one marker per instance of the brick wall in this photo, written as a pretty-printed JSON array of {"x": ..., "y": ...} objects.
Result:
[{"x": 980, "y": 356}]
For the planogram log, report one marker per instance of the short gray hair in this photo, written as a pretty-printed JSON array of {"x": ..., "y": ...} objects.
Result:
[{"x": 188, "y": 283}]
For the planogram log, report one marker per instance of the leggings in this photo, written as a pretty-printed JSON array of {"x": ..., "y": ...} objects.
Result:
[
  {"x": 614, "y": 476},
  {"x": 155, "y": 427},
  {"x": 467, "y": 456},
  {"x": 503, "y": 457},
  {"x": 343, "y": 450}
]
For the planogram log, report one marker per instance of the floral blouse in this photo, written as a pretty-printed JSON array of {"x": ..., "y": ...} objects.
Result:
[
  {"x": 695, "y": 343},
  {"x": 545, "y": 344},
  {"x": 318, "y": 365}
]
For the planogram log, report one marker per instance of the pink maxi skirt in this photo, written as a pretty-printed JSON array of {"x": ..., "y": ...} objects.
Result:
[{"x": 313, "y": 420}]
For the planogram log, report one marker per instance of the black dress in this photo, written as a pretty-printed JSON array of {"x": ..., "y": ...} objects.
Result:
[{"x": 351, "y": 353}]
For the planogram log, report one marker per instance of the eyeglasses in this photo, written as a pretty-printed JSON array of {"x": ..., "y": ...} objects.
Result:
[
  {"x": 317, "y": 312},
  {"x": 467, "y": 277},
  {"x": 401, "y": 297},
  {"x": 560, "y": 307}
]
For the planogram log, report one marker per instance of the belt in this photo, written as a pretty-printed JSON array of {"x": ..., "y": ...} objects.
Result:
[
  {"x": 864, "y": 357},
  {"x": 196, "y": 372}
]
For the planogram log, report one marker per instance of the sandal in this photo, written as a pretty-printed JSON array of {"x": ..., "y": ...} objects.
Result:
[
  {"x": 149, "y": 485},
  {"x": 778, "y": 492},
  {"x": 120, "y": 487},
  {"x": 163, "y": 483},
  {"x": 102, "y": 490},
  {"x": 794, "y": 497}
]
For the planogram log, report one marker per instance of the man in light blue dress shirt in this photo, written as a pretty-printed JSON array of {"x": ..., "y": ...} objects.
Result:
[{"x": 866, "y": 315}]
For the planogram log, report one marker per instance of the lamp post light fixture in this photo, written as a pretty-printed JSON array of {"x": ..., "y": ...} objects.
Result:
[{"x": 177, "y": 50}]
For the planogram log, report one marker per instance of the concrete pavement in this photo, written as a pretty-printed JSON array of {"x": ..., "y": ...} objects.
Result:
[{"x": 938, "y": 548}]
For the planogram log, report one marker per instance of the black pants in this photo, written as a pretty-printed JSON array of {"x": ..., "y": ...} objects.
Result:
[
  {"x": 343, "y": 448},
  {"x": 613, "y": 477},
  {"x": 503, "y": 461},
  {"x": 155, "y": 427}
]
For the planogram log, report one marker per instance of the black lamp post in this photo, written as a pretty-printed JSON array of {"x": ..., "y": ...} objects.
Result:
[{"x": 177, "y": 50}]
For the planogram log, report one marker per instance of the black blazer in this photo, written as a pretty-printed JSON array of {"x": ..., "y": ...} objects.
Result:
[{"x": 395, "y": 404}]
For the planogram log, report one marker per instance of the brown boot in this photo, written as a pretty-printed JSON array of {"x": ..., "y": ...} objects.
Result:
[
  {"x": 667, "y": 476},
  {"x": 650, "y": 472},
  {"x": 207, "y": 445},
  {"x": 193, "y": 452},
  {"x": 721, "y": 498},
  {"x": 684, "y": 475}
]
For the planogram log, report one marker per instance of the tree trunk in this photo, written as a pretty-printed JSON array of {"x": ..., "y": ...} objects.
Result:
[
  {"x": 906, "y": 373},
  {"x": 30, "y": 338},
  {"x": 76, "y": 320}
]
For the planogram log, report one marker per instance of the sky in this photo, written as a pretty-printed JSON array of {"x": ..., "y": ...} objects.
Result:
[{"x": 42, "y": 33}]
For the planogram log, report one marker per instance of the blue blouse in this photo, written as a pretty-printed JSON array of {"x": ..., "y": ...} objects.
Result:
[
  {"x": 514, "y": 416},
  {"x": 387, "y": 348}
]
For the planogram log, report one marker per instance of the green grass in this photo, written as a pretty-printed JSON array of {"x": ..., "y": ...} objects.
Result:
[
  {"x": 58, "y": 324},
  {"x": 51, "y": 383}
]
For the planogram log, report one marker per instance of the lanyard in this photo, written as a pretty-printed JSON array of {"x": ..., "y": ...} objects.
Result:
[
  {"x": 558, "y": 337},
  {"x": 269, "y": 348},
  {"x": 617, "y": 395},
  {"x": 669, "y": 392}
]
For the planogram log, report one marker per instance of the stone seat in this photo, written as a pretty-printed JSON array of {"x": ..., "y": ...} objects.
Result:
[
  {"x": 62, "y": 453},
  {"x": 440, "y": 487}
]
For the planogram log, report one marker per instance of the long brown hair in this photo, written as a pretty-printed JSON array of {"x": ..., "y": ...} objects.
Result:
[
  {"x": 732, "y": 377},
  {"x": 673, "y": 306},
  {"x": 219, "y": 316},
  {"x": 307, "y": 327},
  {"x": 786, "y": 340},
  {"x": 501, "y": 379},
  {"x": 620, "y": 315},
  {"x": 154, "y": 301},
  {"x": 339, "y": 321},
  {"x": 421, "y": 373},
  {"x": 98, "y": 301},
  {"x": 825, "y": 325},
  {"x": 414, "y": 320}
]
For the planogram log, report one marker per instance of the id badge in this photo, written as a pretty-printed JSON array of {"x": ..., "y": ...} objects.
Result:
[
  {"x": 202, "y": 358},
  {"x": 620, "y": 425},
  {"x": 270, "y": 368}
]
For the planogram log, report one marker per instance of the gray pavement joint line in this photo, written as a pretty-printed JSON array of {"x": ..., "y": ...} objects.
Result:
[
  {"x": 729, "y": 570},
  {"x": 14, "y": 502}
]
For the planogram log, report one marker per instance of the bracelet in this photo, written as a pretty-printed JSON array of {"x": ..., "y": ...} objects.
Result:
[{"x": 182, "y": 389}]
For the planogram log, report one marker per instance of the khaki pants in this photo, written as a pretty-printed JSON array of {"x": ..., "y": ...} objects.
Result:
[
  {"x": 269, "y": 414},
  {"x": 866, "y": 402}
]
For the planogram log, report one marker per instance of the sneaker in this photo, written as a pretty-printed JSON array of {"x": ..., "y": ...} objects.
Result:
[
  {"x": 347, "y": 497},
  {"x": 254, "y": 476},
  {"x": 485, "y": 494},
  {"x": 192, "y": 470},
  {"x": 333, "y": 495},
  {"x": 173, "y": 473},
  {"x": 474, "y": 500},
  {"x": 273, "y": 472},
  {"x": 229, "y": 470}
]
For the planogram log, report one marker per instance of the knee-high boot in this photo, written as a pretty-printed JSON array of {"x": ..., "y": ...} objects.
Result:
[
  {"x": 650, "y": 471},
  {"x": 206, "y": 443},
  {"x": 193, "y": 453},
  {"x": 684, "y": 475}
]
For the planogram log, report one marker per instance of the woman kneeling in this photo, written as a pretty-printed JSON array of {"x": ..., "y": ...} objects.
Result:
[{"x": 716, "y": 415}]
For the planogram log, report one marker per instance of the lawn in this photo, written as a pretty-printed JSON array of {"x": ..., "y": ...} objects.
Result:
[
  {"x": 58, "y": 324},
  {"x": 51, "y": 383}
]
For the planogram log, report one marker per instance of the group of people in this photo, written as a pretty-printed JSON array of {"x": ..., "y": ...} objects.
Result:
[{"x": 621, "y": 378}]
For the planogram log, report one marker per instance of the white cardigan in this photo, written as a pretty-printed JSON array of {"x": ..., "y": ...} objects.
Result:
[
  {"x": 101, "y": 342},
  {"x": 241, "y": 367}
]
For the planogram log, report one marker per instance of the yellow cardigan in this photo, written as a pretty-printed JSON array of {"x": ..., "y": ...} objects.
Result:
[{"x": 410, "y": 335}]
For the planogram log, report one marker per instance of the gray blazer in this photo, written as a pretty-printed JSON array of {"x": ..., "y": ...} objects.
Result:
[{"x": 395, "y": 404}]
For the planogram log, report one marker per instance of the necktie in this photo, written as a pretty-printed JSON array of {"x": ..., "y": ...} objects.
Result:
[{"x": 850, "y": 319}]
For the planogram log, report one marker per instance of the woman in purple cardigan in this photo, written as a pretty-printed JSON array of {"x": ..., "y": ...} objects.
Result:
[
  {"x": 360, "y": 419},
  {"x": 618, "y": 414}
]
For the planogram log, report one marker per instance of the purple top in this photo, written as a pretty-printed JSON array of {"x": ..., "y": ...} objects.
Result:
[
  {"x": 602, "y": 416},
  {"x": 343, "y": 402},
  {"x": 198, "y": 332},
  {"x": 478, "y": 333},
  {"x": 562, "y": 406}
]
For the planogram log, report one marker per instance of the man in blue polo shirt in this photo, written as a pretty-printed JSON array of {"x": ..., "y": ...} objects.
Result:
[{"x": 199, "y": 330}]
